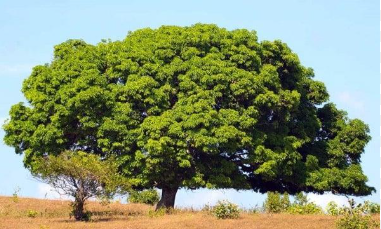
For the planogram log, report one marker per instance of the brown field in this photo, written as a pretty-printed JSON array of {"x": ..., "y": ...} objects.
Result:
[{"x": 55, "y": 214}]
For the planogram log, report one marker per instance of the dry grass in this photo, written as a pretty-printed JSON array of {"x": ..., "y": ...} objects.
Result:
[{"x": 55, "y": 214}]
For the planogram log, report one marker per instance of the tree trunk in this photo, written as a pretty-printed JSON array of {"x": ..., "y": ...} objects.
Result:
[
  {"x": 167, "y": 200},
  {"x": 78, "y": 209}
]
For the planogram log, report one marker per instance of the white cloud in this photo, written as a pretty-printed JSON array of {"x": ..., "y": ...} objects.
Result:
[
  {"x": 199, "y": 198},
  {"x": 15, "y": 69},
  {"x": 48, "y": 192},
  {"x": 351, "y": 100},
  {"x": 323, "y": 200}
]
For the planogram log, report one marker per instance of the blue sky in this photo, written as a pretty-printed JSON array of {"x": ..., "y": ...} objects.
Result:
[{"x": 339, "y": 39}]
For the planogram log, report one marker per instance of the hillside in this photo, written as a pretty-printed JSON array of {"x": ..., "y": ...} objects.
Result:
[{"x": 55, "y": 214}]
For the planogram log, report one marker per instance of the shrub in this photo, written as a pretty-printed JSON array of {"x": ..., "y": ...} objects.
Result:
[
  {"x": 356, "y": 221},
  {"x": 149, "y": 196},
  {"x": 355, "y": 217},
  {"x": 31, "y": 213},
  {"x": 333, "y": 209},
  {"x": 275, "y": 203},
  {"x": 300, "y": 199},
  {"x": 285, "y": 201},
  {"x": 371, "y": 208},
  {"x": 309, "y": 208},
  {"x": 225, "y": 210},
  {"x": 302, "y": 206}
]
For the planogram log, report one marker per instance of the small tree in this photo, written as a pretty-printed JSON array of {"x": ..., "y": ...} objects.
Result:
[
  {"x": 82, "y": 176},
  {"x": 276, "y": 203}
]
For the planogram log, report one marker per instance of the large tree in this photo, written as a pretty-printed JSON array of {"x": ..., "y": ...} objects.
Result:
[{"x": 191, "y": 107}]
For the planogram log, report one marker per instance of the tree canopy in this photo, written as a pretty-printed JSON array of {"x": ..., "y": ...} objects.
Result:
[
  {"x": 81, "y": 176},
  {"x": 191, "y": 107}
]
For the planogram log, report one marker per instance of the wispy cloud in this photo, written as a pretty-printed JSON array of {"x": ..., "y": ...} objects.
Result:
[
  {"x": 15, "y": 69},
  {"x": 323, "y": 200},
  {"x": 351, "y": 99}
]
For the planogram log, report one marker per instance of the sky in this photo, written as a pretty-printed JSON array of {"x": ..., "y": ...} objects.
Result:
[{"x": 338, "y": 39}]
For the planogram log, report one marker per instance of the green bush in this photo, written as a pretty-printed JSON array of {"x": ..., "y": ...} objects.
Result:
[
  {"x": 308, "y": 208},
  {"x": 355, "y": 216},
  {"x": 149, "y": 196},
  {"x": 366, "y": 208},
  {"x": 225, "y": 210},
  {"x": 276, "y": 203},
  {"x": 332, "y": 208},
  {"x": 356, "y": 221},
  {"x": 302, "y": 206},
  {"x": 371, "y": 208},
  {"x": 31, "y": 213}
]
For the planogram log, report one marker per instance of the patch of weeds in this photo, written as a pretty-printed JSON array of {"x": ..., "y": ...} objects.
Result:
[
  {"x": 157, "y": 213},
  {"x": 207, "y": 208},
  {"x": 32, "y": 213},
  {"x": 15, "y": 196},
  {"x": 104, "y": 201}
]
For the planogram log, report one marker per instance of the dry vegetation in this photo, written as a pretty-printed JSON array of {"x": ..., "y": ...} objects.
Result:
[{"x": 55, "y": 214}]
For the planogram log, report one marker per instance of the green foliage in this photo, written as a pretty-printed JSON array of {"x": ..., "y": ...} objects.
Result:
[
  {"x": 225, "y": 210},
  {"x": 356, "y": 221},
  {"x": 197, "y": 106},
  {"x": 70, "y": 170},
  {"x": 145, "y": 197},
  {"x": 300, "y": 199},
  {"x": 366, "y": 208},
  {"x": 371, "y": 208},
  {"x": 302, "y": 206},
  {"x": 276, "y": 203},
  {"x": 333, "y": 209},
  {"x": 32, "y": 213},
  {"x": 357, "y": 216},
  {"x": 157, "y": 213},
  {"x": 82, "y": 176},
  {"x": 309, "y": 208}
]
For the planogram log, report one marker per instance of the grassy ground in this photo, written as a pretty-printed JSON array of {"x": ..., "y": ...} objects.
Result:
[{"x": 55, "y": 214}]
